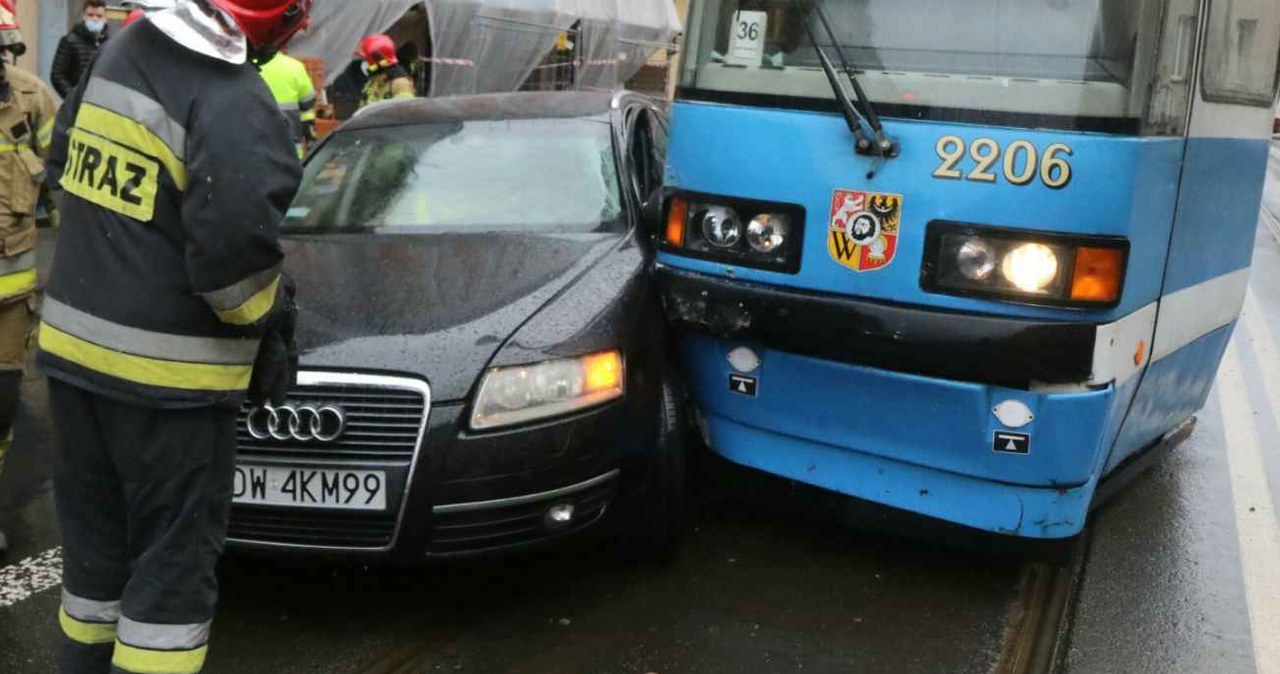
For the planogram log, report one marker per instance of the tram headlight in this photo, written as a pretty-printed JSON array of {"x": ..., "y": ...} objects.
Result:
[
  {"x": 1019, "y": 265},
  {"x": 767, "y": 232},
  {"x": 1030, "y": 267},
  {"x": 976, "y": 259},
  {"x": 737, "y": 232},
  {"x": 721, "y": 227}
]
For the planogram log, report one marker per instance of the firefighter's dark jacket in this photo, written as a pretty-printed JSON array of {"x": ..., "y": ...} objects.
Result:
[{"x": 176, "y": 171}]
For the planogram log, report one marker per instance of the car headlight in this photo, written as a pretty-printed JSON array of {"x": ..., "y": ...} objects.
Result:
[
  {"x": 520, "y": 394},
  {"x": 1020, "y": 265},
  {"x": 712, "y": 228}
]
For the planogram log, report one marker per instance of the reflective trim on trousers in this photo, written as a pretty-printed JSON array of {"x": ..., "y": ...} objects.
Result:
[
  {"x": 90, "y": 610},
  {"x": 88, "y": 621},
  {"x": 84, "y": 632},
  {"x": 146, "y": 661},
  {"x": 159, "y": 637}
]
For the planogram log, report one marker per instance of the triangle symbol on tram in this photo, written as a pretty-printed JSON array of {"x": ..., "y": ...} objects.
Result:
[
  {"x": 1012, "y": 446},
  {"x": 742, "y": 386}
]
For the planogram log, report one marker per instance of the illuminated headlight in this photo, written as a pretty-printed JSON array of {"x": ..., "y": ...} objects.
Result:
[
  {"x": 517, "y": 395},
  {"x": 741, "y": 232},
  {"x": 1031, "y": 267},
  {"x": 1021, "y": 265}
]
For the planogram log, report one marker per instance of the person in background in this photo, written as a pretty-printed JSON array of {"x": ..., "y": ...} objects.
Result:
[
  {"x": 27, "y": 113},
  {"x": 295, "y": 93},
  {"x": 387, "y": 78},
  {"x": 76, "y": 49}
]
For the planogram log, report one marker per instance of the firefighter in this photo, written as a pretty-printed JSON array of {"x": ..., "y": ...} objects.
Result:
[
  {"x": 294, "y": 92},
  {"x": 166, "y": 306},
  {"x": 387, "y": 78},
  {"x": 26, "y": 126}
]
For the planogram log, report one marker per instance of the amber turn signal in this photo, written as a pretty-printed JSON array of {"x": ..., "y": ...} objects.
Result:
[
  {"x": 1098, "y": 275},
  {"x": 677, "y": 216},
  {"x": 603, "y": 371}
]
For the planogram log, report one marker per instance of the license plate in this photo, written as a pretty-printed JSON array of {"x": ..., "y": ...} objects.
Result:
[{"x": 310, "y": 488}]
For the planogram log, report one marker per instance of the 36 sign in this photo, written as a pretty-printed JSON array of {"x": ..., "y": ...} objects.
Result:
[{"x": 1021, "y": 163}]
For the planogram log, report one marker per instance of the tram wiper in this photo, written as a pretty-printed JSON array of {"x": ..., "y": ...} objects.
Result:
[{"x": 882, "y": 146}]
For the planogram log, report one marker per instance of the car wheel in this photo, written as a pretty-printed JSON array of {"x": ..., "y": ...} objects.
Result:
[{"x": 650, "y": 522}]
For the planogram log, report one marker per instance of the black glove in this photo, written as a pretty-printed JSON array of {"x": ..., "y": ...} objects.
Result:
[{"x": 276, "y": 369}]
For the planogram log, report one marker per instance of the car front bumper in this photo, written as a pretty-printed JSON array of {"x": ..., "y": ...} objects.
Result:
[{"x": 451, "y": 493}]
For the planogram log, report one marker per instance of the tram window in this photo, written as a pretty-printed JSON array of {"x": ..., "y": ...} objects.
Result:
[
  {"x": 1242, "y": 54},
  {"x": 1041, "y": 63}
]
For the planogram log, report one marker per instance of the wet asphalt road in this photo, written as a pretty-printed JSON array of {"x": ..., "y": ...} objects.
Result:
[{"x": 774, "y": 577}]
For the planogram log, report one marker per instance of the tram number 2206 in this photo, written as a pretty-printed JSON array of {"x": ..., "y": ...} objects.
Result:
[{"x": 1022, "y": 162}]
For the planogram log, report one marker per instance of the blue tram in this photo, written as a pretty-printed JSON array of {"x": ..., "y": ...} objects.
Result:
[{"x": 965, "y": 259}]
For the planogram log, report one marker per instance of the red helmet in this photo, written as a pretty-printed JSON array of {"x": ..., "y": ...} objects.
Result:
[
  {"x": 9, "y": 33},
  {"x": 267, "y": 24},
  {"x": 134, "y": 16},
  {"x": 379, "y": 51}
]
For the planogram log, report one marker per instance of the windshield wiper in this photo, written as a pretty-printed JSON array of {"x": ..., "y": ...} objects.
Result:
[{"x": 878, "y": 143}]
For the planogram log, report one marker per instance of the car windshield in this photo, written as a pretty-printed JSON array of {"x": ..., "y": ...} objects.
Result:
[
  {"x": 1072, "y": 58},
  {"x": 547, "y": 175}
]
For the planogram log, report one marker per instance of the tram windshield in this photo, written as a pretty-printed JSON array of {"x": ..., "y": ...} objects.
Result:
[{"x": 977, "y": 60}]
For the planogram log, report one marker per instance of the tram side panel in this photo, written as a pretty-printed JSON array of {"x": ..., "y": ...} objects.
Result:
[{"x": 1207, "y": 272}]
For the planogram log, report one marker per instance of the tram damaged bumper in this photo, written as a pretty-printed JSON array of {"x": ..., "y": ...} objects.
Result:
[{"x": 1000, "y": 424}]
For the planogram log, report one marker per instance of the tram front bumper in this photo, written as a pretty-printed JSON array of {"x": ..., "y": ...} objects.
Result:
[{"x": 896, "y": 405}]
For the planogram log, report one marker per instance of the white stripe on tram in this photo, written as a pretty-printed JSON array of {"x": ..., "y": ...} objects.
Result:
[
  {"x": 31, "y": 576},
  {"x": 1194, "y": 312},
  {"x": 1257, "y": 530}
]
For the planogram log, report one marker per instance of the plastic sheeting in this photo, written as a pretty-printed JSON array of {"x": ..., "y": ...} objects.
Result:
[{"x": 485, "y": 46}]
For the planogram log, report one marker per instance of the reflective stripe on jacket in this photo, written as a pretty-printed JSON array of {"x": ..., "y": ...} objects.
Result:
[
  {"x": 392, "y": 83},
  {"x": 176, "y": 171}
]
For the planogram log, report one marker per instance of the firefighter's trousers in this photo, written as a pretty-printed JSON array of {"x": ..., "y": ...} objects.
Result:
[
  {"x": 15, "y": 324},
  {"x": 143, "y": 499}
]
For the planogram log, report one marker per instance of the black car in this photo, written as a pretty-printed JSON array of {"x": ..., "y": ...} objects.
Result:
[{"x": 483, "y": 357}]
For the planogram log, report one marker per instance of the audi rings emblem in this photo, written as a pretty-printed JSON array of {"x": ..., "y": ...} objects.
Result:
[{"x": 304, "y": 423}]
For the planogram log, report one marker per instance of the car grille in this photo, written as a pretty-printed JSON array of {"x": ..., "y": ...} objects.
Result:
[
  {"x": 385, "y": 419},
  {"x": 477, "y": 527}
]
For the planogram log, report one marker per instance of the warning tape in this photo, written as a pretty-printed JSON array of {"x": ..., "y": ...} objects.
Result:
[{"x": 465, "y": 63}]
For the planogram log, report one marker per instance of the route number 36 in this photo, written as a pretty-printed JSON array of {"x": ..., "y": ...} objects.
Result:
[{"x": 1021, "y": 160}]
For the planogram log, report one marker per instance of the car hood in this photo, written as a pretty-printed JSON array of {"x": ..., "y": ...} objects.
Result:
[{"x": 432, "y": 305}]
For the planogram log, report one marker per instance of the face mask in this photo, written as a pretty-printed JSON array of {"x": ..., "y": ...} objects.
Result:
[{"x": 96, "y": 25}]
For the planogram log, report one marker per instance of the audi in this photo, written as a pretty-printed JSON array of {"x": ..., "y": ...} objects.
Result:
[{"x": 482, "y": 356}]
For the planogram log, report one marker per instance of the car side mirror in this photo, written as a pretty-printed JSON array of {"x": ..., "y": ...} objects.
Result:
[{"x": 651, "y": 213}]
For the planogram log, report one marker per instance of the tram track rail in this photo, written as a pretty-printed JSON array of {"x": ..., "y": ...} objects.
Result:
[{"x": 1038, "y": 637}]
